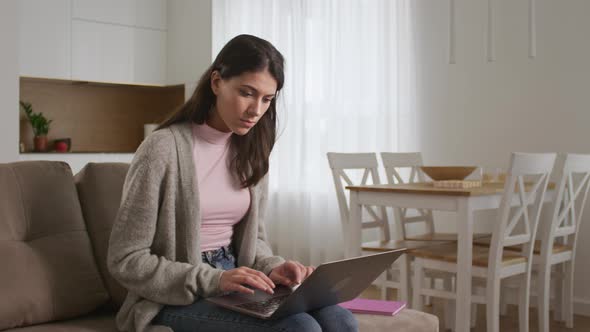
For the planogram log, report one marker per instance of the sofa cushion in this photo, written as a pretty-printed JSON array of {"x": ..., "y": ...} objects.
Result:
[
  {"x": 407, "y": 320},
  {"x": 99, "y": 321},
  {"x": 100, "y": 187},
  {"x": 48, "y": 270}
]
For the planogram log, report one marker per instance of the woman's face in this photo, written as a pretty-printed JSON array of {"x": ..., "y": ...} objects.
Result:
[{"x": 241, "y": 100}]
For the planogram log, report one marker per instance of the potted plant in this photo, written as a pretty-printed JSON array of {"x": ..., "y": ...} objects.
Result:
[{"x": 40, "y": 126}]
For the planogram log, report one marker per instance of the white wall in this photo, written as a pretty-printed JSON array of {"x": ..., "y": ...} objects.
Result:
[
  {"x": 475, "y": 112},
  {"x": 189, "y": 40},
  {"x": 8, "y": 81}
]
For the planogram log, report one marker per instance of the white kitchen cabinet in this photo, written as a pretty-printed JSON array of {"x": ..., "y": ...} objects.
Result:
[
  {"x": 44, "y": 38},
  {"x": 151, "y": 14},
  {"x": 149, "y": 56},
  {"x": 119, "y": 41},
  {"x": 133, "y": 13},
  {"x": 114, "y": 41},
  {"x": 188, "y": 44},
  {"x": 118, "y": 54},
  {"x": 105, "y": 11},
  {"x": 102, "y": 52}
]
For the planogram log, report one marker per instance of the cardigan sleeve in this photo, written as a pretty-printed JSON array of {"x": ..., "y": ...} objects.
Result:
[
  {"x": 264, "y": 260},
  {"x": 130, "y": 259}
]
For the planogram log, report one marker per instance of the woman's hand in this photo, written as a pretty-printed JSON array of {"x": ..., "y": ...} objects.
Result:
[
  {"x": 290, "y": 273},
  {"x": 237, "y": 279}
]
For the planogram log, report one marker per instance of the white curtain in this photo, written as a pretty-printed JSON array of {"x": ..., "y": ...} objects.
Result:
[{"x": 349, "y": 88}]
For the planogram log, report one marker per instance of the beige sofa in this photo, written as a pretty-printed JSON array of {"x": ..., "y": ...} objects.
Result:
[{"x": 54, "y": 231}]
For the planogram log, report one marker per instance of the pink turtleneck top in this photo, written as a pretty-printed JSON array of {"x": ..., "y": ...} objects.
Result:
[{"x": 223, "y": 202}]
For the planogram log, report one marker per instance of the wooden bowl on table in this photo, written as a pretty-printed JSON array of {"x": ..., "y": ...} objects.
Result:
[{"x": 444, "y": 173}]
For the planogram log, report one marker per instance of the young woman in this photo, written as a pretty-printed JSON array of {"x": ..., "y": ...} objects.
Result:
[{"x": 190, "y": 224}]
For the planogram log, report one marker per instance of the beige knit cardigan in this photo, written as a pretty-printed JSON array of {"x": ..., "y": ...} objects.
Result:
[{"x": 154, "y": 249}]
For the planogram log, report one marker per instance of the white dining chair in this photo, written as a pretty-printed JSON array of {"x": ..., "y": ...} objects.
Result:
[
  {"x": 558, "y": 239},
  {"x": 394, "y": 163},
  {"x": 555, "y": 248},
  {"x": 340, "y": 164},
  {"x": 518, "y": 216}
]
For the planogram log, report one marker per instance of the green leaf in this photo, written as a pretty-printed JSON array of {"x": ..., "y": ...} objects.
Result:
[{"x": 38, "y": 121}]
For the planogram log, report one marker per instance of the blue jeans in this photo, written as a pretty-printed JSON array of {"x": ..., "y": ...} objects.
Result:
[{"x": 205, "y": 316}]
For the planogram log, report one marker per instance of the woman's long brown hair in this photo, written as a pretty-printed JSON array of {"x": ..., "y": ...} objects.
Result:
[{"x": 244, "y": 53}]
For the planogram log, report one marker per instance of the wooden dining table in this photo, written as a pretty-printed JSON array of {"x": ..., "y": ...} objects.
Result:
[{"x": 462, "y": 201}]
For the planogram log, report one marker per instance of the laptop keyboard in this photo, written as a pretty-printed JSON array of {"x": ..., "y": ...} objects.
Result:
[{"x": 264, "y": 307}]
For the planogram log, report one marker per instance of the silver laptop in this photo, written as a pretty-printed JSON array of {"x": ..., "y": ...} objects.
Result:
[{"x": 329, "y": 284}]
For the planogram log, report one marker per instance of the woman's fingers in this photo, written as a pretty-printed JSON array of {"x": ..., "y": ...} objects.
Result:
[
  {"x": 283, "y": 280},
  {"x": 254, "y": 282},
  {"x": 296, "y": 270},
  {"x": 255, "y": 279},
  {"x": 305, "y": 271},
  {"x": 259, "y": 275},
  {"x": 236, "y": 287},
  {"x": 264, "y": 277},
  {"x": 237, "y": 279},
  {"x": 291, "y": 273}
]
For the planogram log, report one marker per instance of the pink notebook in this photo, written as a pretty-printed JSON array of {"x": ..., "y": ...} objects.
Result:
[{"x": 374, "y": 307}]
